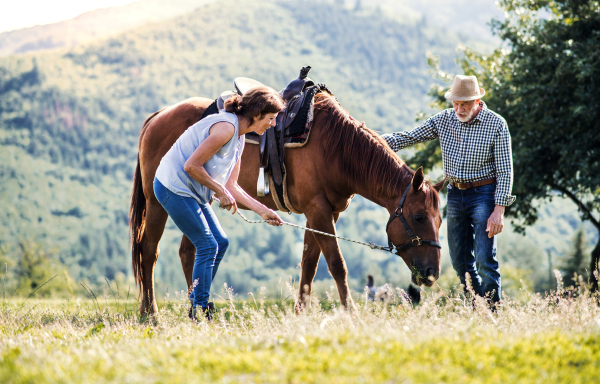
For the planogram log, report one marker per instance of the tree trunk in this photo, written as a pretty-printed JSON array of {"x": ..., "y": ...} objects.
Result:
[{"x": 594, "y": 266}]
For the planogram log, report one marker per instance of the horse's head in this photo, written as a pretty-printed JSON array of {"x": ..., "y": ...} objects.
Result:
[{"x": 421, "y": 210}]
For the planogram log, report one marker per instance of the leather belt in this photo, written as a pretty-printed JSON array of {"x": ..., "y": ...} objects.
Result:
[{"x": 473, "y": 184}]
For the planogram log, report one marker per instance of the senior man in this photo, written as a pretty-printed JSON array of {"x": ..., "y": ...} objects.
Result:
[{"x": 477, "y": 158}]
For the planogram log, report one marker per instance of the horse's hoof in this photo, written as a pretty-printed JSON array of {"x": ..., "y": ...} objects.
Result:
[{"x": 301, "y": 308}]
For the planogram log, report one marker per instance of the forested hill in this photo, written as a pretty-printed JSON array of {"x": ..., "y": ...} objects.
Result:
[
  {"x": 458, "y": 16},
  {"x": 69, "y": 124},
  {"x": 70, "y": 119}
]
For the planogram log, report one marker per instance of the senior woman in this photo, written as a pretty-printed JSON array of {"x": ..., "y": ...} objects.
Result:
[{"x": 205, "y": 162}]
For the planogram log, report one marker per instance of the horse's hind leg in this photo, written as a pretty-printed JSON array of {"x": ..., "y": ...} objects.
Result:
[
  {"x": 310, "y": 261},
  {"x": 187, "y": 254},
  {"x": 154, "y": 226}
]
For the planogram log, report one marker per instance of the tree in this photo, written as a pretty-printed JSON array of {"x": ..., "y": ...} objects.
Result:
[
  {"x": 573, "y": 262},
  {"x": 543, "y": 82}
]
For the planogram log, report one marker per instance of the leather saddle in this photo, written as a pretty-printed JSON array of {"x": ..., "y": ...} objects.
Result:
[{"x": 271, "y": 144}]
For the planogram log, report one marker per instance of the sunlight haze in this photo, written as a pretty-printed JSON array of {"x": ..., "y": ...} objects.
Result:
[{"x": 28, "y": 13}]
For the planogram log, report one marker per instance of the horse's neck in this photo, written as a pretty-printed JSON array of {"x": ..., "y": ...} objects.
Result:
[{"x": 389, "y": 195}]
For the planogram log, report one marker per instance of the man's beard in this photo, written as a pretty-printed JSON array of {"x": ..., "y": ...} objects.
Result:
[{"x": 469, "y": 116}]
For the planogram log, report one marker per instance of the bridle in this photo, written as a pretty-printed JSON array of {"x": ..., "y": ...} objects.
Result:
[{"x": 415, "y": 240}]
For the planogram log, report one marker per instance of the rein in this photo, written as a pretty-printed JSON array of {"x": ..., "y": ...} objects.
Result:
[
  {"x": 369, "y": 244},
  {"x": 415, "y": 240}
]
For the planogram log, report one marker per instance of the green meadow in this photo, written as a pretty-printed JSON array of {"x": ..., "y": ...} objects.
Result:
[{"x": 445, "y": 339}]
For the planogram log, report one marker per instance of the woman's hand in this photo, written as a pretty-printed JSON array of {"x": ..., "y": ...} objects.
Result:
[
  {"x": 226, "y": 201},
  {"x": 271, "y": 217}
]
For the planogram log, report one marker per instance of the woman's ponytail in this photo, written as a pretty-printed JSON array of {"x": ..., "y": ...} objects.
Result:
[
  {"x": 234, "y": 104},
  {"x": 255, "y": 103}
]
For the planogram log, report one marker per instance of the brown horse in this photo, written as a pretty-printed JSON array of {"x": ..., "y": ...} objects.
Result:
[{"x": 341, "y": 159}]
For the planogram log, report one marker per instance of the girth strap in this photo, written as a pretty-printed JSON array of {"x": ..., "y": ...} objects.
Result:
[{"x": 274, "y": 157}]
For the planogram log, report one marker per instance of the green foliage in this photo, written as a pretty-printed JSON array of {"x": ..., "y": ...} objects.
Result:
[
  {"x": 31, "y": 271},
  {"x": 572, "y": 264},
  {"x": 34, "y": 269},
  {"x": 544, "y": 87},
  {"x": 543, "y": 84},
  {"x": 96, "y": 329},
  {"x": 429, "y": 154}
]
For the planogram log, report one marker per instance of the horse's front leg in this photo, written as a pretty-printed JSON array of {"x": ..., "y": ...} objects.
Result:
[
  {"x": 310, "y": 261},
  {"x": 321, "y": 218}
]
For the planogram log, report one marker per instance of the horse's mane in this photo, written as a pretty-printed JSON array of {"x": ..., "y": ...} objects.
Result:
[{"x": 361, "y": 153}]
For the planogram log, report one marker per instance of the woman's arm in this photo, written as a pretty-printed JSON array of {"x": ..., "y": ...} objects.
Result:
[
  {"x": 219, "y": 134},
  {"x": 240, "y": 195}
]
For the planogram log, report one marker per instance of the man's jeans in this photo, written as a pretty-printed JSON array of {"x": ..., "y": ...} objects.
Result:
[
  {"x": 471, "y": 250},
  {"x": 199, "y": 223}
]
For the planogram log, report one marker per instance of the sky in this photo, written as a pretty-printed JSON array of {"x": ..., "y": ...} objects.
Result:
[{"x": 17, "y": 14}]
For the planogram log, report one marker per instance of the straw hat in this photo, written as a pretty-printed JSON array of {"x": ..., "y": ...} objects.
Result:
[{"x": 464, "y": 88}]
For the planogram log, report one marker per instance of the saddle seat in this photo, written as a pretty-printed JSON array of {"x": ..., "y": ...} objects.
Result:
[{"x": 289, "y": 94}]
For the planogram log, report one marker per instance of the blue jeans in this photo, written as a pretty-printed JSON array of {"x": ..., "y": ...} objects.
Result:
[
  {"x": 471, "y": 250},
  {"x": 199, "y": 223}
]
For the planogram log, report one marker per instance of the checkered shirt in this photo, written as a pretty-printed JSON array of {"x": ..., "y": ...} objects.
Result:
[{"x": 471, "y": 151}]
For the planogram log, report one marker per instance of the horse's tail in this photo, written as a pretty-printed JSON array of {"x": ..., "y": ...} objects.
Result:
[{"x": 137, "y": 213}]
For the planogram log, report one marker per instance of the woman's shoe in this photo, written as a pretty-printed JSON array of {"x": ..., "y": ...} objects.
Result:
[{"x": 208, "y": 312}]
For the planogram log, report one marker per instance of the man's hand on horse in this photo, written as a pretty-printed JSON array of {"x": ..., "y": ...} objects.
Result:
[
  {"x": 495, "y": 223},
  {"x": 272, "y": 217}
]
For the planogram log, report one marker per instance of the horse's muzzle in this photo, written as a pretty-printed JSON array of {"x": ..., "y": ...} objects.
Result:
[{"x": 426, "y": 278}]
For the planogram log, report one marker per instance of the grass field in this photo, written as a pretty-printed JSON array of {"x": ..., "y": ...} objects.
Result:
[{"x": 443, "y": 340}]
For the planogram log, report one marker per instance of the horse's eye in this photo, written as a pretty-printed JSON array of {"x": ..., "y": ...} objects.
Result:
[{"x": 419, "y": 218}]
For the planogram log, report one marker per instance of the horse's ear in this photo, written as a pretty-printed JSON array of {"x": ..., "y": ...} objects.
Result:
[
  {"x": 438, "y": 186},
  {"x": 418, "y": 178}
]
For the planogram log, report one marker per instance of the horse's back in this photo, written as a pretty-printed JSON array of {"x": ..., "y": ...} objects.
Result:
[
  {"x": 168, "y": 124},
  {"x": 161, "y": 130}
]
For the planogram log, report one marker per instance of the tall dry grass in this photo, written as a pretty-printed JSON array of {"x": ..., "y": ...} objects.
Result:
[{"x": 551, "y": 338}]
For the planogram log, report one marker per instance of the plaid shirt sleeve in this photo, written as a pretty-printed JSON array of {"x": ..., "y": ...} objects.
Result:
[
  {"x": 398, "y": 140},
  {"x": 504, "y": 167}
]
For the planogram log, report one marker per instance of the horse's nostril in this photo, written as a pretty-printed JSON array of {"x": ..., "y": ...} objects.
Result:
[{"x": 430, "y": 273}]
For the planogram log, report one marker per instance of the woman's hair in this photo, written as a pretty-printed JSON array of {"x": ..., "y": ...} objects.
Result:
[{"x": 255, "y": 103}]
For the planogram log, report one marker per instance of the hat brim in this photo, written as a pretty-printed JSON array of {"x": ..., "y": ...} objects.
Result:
[{"x": 450, "y": 96}]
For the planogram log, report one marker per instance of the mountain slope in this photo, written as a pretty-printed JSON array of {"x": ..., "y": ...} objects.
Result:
[
  {"x": 69, "y": 125},
  {"x": 81, "y": 111},
  {"x": 459, "y": 17}
]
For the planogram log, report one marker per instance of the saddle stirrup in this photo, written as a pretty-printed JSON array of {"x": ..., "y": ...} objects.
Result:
[{"x": 262, "y": 185}]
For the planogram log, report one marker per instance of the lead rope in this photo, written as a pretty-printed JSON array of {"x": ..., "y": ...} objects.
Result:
[{"x": 369, "y": 244}]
